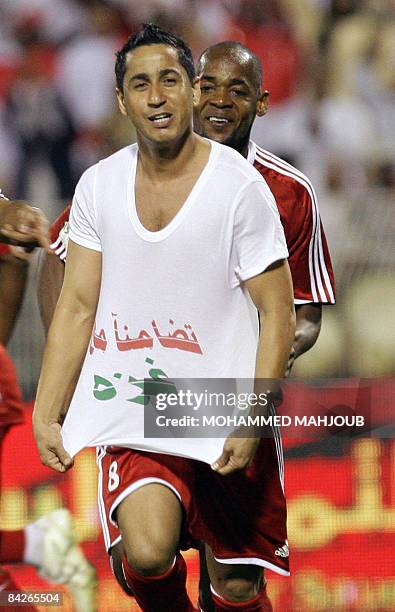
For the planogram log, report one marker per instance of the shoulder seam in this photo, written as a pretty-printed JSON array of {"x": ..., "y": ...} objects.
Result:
[{"x": 282, "y": 166}]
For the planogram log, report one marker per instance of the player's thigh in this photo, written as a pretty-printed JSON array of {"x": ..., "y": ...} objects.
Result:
[
  {"x": 232, "y": 581},
  {"x": 150, "y": 520}
]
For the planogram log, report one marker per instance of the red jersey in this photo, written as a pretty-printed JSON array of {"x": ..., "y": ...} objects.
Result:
[
  {"x": 309, "y": 259},
  {"x": 11, "y": 403}
]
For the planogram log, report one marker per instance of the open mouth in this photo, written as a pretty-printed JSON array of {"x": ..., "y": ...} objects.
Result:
[
  {"x": 161, "y": 119},
  {"x": 218, "y": 121}
]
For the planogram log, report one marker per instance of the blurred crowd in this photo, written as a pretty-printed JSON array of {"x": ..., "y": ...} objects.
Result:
[{"x": 328, "y": 65}]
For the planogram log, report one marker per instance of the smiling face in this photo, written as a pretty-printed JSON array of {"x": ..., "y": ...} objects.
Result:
[
  {"x": 157, "y": 94},
  {"x": 230, "y": 98}
]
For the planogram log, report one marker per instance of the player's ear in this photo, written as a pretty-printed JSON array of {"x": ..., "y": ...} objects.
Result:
[
  {"x": 121, "y": 101},
  {"x": 262, "y": 104},
  {"x": 196, "y": 91}
]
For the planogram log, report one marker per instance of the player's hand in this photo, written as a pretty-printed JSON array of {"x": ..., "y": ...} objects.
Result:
[
  {"x": 24, "y": 225},
  {"x": 50, "y": 446},
  {"x": 237, "y": 454}
]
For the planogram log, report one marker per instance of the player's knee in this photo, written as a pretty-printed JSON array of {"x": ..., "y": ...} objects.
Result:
[
  {"x": 237, "y": 589},
  {"x": 150, "y": 559}
]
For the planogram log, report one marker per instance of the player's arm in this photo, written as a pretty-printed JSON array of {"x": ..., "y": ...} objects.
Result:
[
  {"x": 308, "y": 327},
  {"x": 51, "y": 268},
  {"x": 13, "y": 275},
  {"x": 272, "y": 295},
  {"x": 68, "y": 339},
  {"x": 310, "y": 266},
  {"x": 22, "y": 224},
  {"x": 49, "y": 285}
]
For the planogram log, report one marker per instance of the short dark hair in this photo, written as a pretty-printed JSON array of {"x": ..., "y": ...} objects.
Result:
[
  {"x": 151, "y": 34},
  {"x": 231, "y": 48}
]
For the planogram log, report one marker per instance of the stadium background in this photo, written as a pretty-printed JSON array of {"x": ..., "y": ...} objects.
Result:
[{"x": 329, "y": 67}]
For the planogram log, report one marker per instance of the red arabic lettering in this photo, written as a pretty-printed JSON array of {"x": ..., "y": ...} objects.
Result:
[
  {"x": 179, "y": 338},
  {"x": 143, "y": 340},
  {"x": 98, "y": 341}
]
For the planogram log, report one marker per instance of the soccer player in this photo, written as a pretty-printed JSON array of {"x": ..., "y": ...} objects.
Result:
[
  {"x": 178, "y": 231},
  {"x": 47, "y": 543},
  {"x": 231, "y": 97}
]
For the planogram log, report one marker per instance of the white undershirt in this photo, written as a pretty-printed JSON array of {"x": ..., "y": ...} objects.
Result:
[{"x": 172, "y": 302}]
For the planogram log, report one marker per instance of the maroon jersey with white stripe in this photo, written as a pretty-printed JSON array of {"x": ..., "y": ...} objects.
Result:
[
  {"x": 59, "y": 234},
  {"x": 309, "y": 259}
]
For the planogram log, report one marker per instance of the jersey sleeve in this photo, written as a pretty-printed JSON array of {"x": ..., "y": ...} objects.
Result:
[
  {"x": 59, "y": 234},
  {"x": 58, "y": 224},
  {"x": 309, "y": 258},
  {"x": 258, "y": 236},
  {"x": 83, "y": 222}
]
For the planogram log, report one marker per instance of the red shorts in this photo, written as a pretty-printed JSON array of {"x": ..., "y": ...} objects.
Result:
[{"x": 242, "y": 517}]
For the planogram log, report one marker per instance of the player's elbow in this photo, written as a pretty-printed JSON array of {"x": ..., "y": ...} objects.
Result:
[
  {"x": 80, "y": 311},
  {"x": 288, "y": 320},
  {"x": 75, "y": 315},
  {"x": 315, "y": 329},
  {"x": 281, "y": 317},
  {"x": 308, "y": 326},
  {"x": 306, "y": 335}
]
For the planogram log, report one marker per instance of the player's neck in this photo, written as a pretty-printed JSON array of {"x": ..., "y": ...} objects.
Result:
[
  {"x": 168, "y": 159},
  {"x": 244, "y": 150},
  {"x": 241, "y": 147}
]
